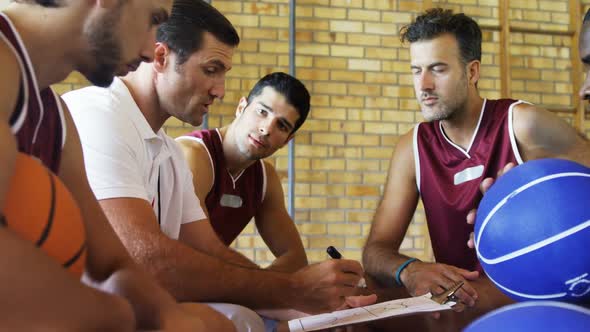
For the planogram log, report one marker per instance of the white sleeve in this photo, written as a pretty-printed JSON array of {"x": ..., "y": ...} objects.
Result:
[
  {"x": 111, "y": 162},
  {"x": 191, "y": 204}
]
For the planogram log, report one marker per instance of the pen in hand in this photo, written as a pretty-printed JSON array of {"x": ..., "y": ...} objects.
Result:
[{"x": 335, "y": 254}]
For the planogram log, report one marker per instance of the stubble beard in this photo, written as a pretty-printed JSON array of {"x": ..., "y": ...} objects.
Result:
[{"x": 105, "y": 49}]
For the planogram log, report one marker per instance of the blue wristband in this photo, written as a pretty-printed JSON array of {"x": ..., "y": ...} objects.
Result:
[{"x": 400, "y": 268}]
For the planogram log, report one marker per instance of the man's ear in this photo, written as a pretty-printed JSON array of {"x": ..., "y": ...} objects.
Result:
[
  {"x": 161, "y": 57},
  {"x": 473, "y": 71},
  {"x": 241, "y": 106}
]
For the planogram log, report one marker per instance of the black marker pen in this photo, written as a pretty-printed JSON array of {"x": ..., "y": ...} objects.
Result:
[{"x": 335, "y": 254}]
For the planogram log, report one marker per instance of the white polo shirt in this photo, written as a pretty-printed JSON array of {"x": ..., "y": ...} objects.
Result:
[{"x": 125, "y": 158}]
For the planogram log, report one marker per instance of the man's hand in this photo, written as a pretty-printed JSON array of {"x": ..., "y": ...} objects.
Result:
[
  {"x": 324, "y": 286},
  {"x": 420, "y": 278},
  {"x": 484, "y": 187},
  {"x": 358, "y": 301}
]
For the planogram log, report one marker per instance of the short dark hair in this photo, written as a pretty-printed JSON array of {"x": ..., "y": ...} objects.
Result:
[
  {"x": 586, "y": 17},
  {"x": 183, "y": 31},
  {"x": 294, "y": 91},
  {"x": 437, "y": 21}
]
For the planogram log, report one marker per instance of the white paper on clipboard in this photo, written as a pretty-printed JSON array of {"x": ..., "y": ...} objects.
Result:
[{"x": 376, "y": 311}]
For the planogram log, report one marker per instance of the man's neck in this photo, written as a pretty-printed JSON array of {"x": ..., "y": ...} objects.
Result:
[
  {"x": 234, "y": 160},
  {"x": 461, "y": 127},
  {"x": 141, "y": 86},
  {"x": 53, "y": 54}
]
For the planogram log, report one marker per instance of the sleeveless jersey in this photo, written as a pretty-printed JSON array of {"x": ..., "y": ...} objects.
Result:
[
  {"x": 231, "y": 202},
  {"x": 37, "y": 121},
  {"x": 448, "y": 177}
]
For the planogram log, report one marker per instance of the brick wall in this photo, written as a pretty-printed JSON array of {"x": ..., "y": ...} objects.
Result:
[{"x": 350, "y": 57}]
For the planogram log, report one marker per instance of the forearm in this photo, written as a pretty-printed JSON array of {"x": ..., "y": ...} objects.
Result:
[
  {"x": 47, "y": 292},
  {"x": 193, "y": 276},
  {"x": 232, "y": 256},
  {"x": 149, "y": 301},
  {"x": 291, "y": 261},
  {"x": 380, "y": 261}
]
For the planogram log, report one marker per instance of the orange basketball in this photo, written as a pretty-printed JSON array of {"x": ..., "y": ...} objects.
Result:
[{"x": 40, "y": 209}]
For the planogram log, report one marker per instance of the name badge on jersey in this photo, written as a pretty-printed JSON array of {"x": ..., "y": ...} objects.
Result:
[
  {"x": 231, "y": 201},
  {"x": 468, "y": 174}
]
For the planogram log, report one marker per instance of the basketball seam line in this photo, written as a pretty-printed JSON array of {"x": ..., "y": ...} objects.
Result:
[
  {"x": 77, "y": 255},
  {"x": 45, "y": 233}
]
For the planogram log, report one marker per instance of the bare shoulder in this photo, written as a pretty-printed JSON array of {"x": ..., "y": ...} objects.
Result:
[
  {"x": 11, "y": 76},
  {"x": 404, "y": 150},
  {"x": 199, "y": 162},
  {"x": 542, "y": 134},
  {"x": 271, "y": 174},
  {"x": 525, "y": 111},
  {"x": 269, "y": 168},
  {"x": 274, "y": 188},
  {"x": 194, "y": 151},
  {"x": 406, "y": 141}
]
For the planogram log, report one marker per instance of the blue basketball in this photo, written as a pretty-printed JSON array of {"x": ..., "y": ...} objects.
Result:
[
  {"x": 534, "y": 316},
  {"x": 532, "y": 232}
]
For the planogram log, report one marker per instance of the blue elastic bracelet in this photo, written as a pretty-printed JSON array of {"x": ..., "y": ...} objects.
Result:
[{"x": 400, "y": 268}]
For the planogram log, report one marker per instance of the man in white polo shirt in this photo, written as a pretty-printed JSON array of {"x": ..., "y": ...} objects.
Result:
[{"x": 145, "y": 187}]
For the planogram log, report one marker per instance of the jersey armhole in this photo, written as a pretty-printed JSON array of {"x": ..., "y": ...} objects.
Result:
[
  {"x": 62, "y": 118},
  {"x": 416, "y": 157},
  {"x": 200, "y": 141},
  {"x": 263, "y": 181},
  {"x": 23, "y": 95},
  {"x": 513, "y": 143}
]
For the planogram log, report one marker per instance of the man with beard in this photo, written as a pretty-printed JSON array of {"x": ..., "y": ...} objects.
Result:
[
  {"x": 41, "y": 42},
  {"x": 144, "y": 185},
  {"x": 443, "y": 161}
]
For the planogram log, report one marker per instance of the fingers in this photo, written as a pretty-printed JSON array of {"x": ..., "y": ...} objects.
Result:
[
  {"x": 459, "y": 307},
  {"x": 485, "y": 185},
  {"x": 349, "y": 266},
  {"x": 466, "y": 294},
  {"x": 360, "y": 300},
  {"x": 505, "y": 169},
  {"x": 470, "y": 275},
  {"x": 471, "y": 216},
  {"x": 471, "y": 221},
  {"x": 487, "y": 182},
  {"x": 471, "y": 241}
]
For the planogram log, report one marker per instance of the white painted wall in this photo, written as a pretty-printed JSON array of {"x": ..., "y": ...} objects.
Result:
[{"x": 4, "y": 3}]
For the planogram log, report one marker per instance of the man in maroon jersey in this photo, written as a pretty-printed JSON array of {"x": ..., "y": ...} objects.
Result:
[
  {"x": 41, "y": 42},
  {"x": 442, "y": 161},
  {"x": 236, "y": 184}
]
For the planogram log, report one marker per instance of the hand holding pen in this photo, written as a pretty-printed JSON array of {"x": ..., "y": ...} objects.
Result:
[{"x": 335, "y": 254}]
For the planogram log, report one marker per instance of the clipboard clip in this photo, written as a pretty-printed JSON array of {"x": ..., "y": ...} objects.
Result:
[{"x": 448, "y": 295}]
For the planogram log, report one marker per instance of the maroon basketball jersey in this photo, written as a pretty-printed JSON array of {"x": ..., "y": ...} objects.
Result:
[
  {"x": 232, "y": 202},
  {"x": 448, "y": 177},
  {"x": 37, "y": 121}
]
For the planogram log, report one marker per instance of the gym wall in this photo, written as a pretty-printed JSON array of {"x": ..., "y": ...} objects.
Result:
[{"x": 350, "y": 57}]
